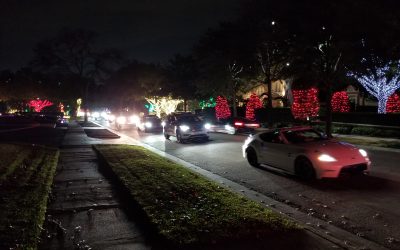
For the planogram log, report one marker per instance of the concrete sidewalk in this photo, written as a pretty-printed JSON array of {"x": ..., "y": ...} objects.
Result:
[{"x": 86, "y": 211}]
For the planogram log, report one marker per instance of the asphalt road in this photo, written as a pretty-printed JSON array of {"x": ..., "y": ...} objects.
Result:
[{"x": 368, "y": 206}]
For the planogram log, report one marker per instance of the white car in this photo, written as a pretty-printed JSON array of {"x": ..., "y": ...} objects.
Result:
[{"x": 305, "y": 152}]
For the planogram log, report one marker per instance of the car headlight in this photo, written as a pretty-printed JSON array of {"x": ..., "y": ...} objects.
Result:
[
  {"x": 207, "y": 126},
  {"x": 184, "y": 128},
  {"x": 121, "y": 119},
  {"x": 134, "y": 119},
  {"x": 326, "y": 158},
  {"x": 163, "y": 123},
  {"x": 148, "y": 124},
  {"x": 363, "y": 152}
]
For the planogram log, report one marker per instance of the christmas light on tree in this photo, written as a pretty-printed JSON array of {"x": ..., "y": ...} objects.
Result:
[
  {"x": 222, "y": 110},
  {"x": 165, "y": 105},
  {"x": 340, "y": 102},
  {"x": 253, "y": 104},
  {"x": 305, "y": 104},
  {"x": 393, "y": 104},
  {"x": 39, "y": 105},
  {"x": 381, "y": 83}
]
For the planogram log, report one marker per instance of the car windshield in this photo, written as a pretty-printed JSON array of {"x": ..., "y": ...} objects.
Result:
[
  {"x": 188, "y": 118},
  {"x": 302, "y": 136}
]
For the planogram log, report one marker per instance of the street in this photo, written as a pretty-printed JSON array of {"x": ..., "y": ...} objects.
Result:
[{"x": 364, "y": 205}]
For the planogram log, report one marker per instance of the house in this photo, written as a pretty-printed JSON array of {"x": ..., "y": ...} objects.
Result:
[{"x": 279, "y": 90}]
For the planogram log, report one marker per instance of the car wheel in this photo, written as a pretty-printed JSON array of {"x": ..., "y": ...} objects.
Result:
[
  {"x": 251, "y": 156},
  {"x": 304, "y": 169},
  {"x": 166, "y": 136},
  {"x": 179, "y": 137}
]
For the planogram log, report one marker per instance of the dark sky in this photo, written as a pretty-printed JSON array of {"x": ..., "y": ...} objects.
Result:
[{"x": 146, "y": 30}]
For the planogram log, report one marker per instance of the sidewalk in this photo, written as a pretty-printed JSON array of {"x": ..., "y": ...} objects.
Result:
[{"x": 86, "y": 212}]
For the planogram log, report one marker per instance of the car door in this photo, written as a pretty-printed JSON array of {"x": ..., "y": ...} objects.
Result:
[{"x": 273, "y": 150}]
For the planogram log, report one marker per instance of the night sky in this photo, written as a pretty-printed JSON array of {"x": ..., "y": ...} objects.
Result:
[{"x": 150, "y": 31}]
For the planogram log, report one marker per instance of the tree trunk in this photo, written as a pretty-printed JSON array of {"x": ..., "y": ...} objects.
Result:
[
  {"x": 269, "y": 85},
  {"x": 233, "y": 97},
  {"x": 328, "y": 114},
  {"x": 184, "y": 105},
  {"x": 382, "y": 100},
  {"x": 85, "y": 102}
]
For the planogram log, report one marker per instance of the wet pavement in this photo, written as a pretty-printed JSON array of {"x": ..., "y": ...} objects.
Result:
[{"x": 85, "y": 211}]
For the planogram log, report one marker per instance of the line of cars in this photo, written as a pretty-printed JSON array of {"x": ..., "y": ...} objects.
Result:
[{"x": 301, "y": 151}]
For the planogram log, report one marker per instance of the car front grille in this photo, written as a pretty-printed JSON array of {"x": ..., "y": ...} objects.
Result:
[{"x": 357, "y": 168}]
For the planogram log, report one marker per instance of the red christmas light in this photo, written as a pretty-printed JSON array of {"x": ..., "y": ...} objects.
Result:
[
  {"x": 340, "y": 102},
  {"x": 253, "y": 104},
  {"x": 38, "y": 105},
  {"x": 222, "y": 110},
  {"x": 305, "y": 103},
  {"x": 393, "y": 104}
]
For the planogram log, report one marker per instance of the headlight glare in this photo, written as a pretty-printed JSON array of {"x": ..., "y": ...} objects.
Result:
[
  {"x": 148, "y": 124},
  {"x": 207, "y": 126},
  {"x": 121, "y": 119},
  {"x": 363, "y": 152},
  {"x": 184, "y": 128},
  {"x": 326, "y": 158}
]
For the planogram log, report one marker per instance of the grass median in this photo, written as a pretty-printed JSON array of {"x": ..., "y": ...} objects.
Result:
[
  {"x": 371, "y": 143},
  {"x": 187, "y": 209},
  {"x": 26, "y": 175}
]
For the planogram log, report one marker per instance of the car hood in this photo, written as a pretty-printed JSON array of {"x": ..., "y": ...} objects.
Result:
[{"x": 333, "y": 147}]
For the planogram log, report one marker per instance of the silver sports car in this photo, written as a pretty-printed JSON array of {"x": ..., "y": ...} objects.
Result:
[{"x": 305, "y": 152}]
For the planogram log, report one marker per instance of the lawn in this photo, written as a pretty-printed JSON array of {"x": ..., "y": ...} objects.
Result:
[
  {"x": 187, "y": 209},
  {"x": 26, "y": 175},
  {"x": 368, "y": 142}
]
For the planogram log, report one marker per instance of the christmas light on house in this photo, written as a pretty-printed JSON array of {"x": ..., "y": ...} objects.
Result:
[
  {"x": 305, "y": 104},
  {"x": 340, "y": 102},
  {"x": 222, "y": 110},
  {"x": 393, "y": 104},
  {"x": 253, "y": 104}
]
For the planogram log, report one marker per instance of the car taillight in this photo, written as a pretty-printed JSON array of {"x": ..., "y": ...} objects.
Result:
[
  {"x": 239, "y": 124},
  {"x": 253, "y": 125}
]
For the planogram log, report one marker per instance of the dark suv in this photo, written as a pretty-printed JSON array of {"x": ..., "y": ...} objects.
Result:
[{"x": 185, "y": 126}]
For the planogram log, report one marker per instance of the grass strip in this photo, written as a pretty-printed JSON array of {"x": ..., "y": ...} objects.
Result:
[
  {"x": 186, "y": 208},
  {"x": 24, "y": 195},
  {"x": 373, "y": 143}
]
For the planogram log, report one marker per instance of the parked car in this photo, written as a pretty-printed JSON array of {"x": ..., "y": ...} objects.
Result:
[
  {"x": 150, "y": 123},
  {"x": 305, "y": 152},
  {"x": 185, "y": 126},
  {"x": 234, "y": 125}
]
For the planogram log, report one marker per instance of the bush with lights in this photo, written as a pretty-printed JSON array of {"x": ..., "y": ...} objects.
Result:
[
  {"x": 253, "y": 104},
  {"x": 222, "y": 110},
  {"x": 305, "y": 103},
  {"x": 38, "y": 105},
  {"x": 393, "y": 104},
  {"x": 340, "y": 102}
]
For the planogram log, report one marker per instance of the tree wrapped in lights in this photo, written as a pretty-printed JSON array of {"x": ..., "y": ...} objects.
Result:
[
  {"x": 165, "y": 105},
  {"x": 340, "y": 102},
  {"x": 393, "y": 104},
  {"x": 253, "y": 104},
  {"x": 38, "y": 105},
  {"x": 222, "y": 110},
  {"x": 305, "y": 103},
  {"x": 381, "y": 83}
]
